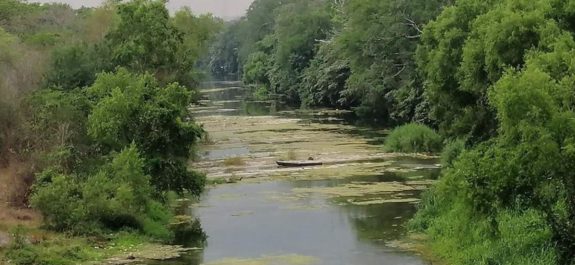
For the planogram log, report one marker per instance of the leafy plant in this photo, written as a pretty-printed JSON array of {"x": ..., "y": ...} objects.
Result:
[{"x": 413, "y": 138}]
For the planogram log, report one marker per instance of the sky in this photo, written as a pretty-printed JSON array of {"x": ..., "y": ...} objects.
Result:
[{"x": 227, "y": 9}]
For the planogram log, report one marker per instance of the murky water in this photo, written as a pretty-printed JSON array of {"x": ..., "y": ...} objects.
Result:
[{"x": 343, "y": 214}]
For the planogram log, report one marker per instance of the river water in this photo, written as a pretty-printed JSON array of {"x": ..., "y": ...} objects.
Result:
[{"x": 353, "y": 210}]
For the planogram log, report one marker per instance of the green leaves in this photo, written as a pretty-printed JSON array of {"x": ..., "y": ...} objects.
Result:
[
  {"x": 413, "y": 138},
  {"x": 118, "y": 196},
  {"x": 515, "y": 62},
  {"x": 131, "y": 108},
  {"x": 144, "y": 39}
]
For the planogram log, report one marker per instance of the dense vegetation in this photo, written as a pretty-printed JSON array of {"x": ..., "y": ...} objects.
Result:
[
  {"x": 94, "y": 114},
  {"x": 344, "y": 54},
  {"x": 94, "y": 107},
  {"x": 509, "y": 199},
  {"x": 494, "y": 78},
  {"x": 412, "y": 138}
]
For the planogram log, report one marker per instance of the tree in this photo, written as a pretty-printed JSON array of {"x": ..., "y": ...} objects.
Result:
[
  {"x": 256, "y": 25},
  {"x": 325, "y": 79},
  {"x": 198, "y": 33},
  {"x": 299, "y": 28},
  {"x": 516, "y": 57},
  {"x": 131, "y": 108},
  {"x": 224, "y": 61},
  {"x": 380, "y": 39},
  {"x": 146, "y": 41}
]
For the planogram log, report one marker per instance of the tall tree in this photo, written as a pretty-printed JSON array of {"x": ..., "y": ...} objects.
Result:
[
  {"x": 300, "y": 26},
  {"x": 145, "y": 40},
  {"x": 380, "y": 38}
]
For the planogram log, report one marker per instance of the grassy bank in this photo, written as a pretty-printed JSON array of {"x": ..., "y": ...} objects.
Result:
[
  {"x": 28, "y": 243},
  {"x": 35, "y": 246}
]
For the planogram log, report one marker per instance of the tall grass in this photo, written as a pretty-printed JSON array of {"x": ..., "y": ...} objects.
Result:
[{"x": 413, "y": 138}]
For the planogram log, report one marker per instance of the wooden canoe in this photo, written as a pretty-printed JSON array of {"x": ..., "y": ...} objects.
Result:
[{"x": 302, "y": 163}]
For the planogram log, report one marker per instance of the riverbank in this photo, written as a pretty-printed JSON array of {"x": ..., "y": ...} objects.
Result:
[
  {"x": 27, "y": 245},
  {"x": 23, "y": 241}
]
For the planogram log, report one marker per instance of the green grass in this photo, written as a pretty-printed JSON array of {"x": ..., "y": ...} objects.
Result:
[
  {"x": 413, "y": 138},
  {"x": 67, "y": 250}
]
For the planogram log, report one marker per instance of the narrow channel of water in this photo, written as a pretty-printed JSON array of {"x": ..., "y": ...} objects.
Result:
[{"x": 299, "y": 221}]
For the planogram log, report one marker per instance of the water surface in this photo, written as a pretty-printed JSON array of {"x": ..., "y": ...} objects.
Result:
[{"x": 285, "y": 217}]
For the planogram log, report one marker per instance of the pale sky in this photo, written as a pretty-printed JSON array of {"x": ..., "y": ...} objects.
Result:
[{"x": 226, "y": 9}]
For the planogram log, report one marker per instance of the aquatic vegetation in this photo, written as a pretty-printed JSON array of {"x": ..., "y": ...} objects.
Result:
[
  {"x": 234, "y": 161},
  {"x": 368, "y": 193},
  {"x": 413, "y": 138},
  {"x": 291, "y": 155}
]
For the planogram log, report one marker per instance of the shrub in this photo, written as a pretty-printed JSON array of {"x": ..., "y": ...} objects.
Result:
[
  {"x": 58, "y": 251},
  {"x": 451, "y": 151},
  {"x": 413, "y": 138},
  {"x": 116, "y": 197},
  {"x": 261, "y": 93}
]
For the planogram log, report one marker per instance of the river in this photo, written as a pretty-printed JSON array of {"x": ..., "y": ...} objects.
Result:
[{"x": 352, "y": 210}]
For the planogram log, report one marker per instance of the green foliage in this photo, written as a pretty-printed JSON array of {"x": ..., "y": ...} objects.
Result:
[
  {"x": 380, "y": 38},
  {"x": 108, "y": 146},
  {"x": 325, "y": 79},
  {"x": 118, "y": 196},
  {"x": 145, "y": 40},
  {"x": 518, "y": 185},
  {"x": 256, "y": 25},
  {"x": 451, "y": 152},
  {"x": 467, "y": 49},
  {"x": 73, "y": 67},
  {"x": 299, "y": 26},
  {"x": 413, "y": 138},
  {"x": 49, "y": 255},
  {"x": 256, "y": 69},
  {"x": 224, "y": 58},
  {"x": 198, "y": 32},
  {"x": 261, "y": 93},
  {"x": 352, "y": 54},
  {"x": 55, "y": 129},
  {"x": 136, "y": 109}
]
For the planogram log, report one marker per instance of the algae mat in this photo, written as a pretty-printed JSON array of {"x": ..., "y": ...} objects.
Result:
[{"x": 260, "y": 141}]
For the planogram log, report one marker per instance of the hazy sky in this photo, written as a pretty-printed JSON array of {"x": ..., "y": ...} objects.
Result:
[{"x": 222, "y": 8}]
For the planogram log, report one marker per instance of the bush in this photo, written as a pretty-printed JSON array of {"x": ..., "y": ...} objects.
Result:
[
  {"x": 118, "y": 196},
  {"x": 460, "y": 234},
  {"x": 451, "y": 151},
  {"x": 57, "y": 251},
  {"x": 413, "y": 138}
]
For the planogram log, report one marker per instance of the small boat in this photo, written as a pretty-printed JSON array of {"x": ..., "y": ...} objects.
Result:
[{"x": 301, "y": 163}]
